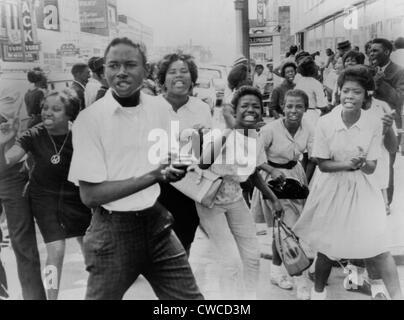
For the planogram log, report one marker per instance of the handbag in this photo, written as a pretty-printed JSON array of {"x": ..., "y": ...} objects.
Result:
[
  {"x": 289, "y": 189},
  {"x": 288, "y": 246},
  {"x": 203, "y": 192}
]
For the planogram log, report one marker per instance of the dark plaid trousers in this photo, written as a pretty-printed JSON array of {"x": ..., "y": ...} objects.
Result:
[{"x": 119, "y": 246}]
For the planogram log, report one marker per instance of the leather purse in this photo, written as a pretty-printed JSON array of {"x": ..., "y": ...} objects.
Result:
[
  {"x": 288, "y": 246},
  {"x": 290, "y": 189},
  {"x": 203, "y": 192}
]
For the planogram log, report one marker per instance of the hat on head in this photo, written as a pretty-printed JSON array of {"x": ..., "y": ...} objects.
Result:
[
  {"x": 240, "y": 60},
  {"x": 344, "y": 45}
]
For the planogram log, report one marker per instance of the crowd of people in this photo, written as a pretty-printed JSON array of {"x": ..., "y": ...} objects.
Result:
[{"x": 84, "y": 169}]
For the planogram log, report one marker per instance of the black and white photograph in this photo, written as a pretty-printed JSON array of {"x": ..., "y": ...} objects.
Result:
[{"x": 217, "y": 150}]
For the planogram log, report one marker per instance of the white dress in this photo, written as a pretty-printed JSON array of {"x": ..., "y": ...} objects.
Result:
[
  {"x": 280, "y": 147},
  {"x": 344, "y": 216}
]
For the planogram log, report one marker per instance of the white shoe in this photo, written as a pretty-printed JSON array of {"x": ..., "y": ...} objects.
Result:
[
  {"x": 302, "y": 288},
  {"x": 318, "y": 296},
  {"x": 280, "y": 279}
]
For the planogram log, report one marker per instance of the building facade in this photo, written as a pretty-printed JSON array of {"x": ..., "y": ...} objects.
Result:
[
  {"x": 321, "y": 24},
  {"x": 270, "y": 35},
  {"x": 58, "y": 33}
]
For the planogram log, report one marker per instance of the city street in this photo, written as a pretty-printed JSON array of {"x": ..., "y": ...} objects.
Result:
[{"x": 205, "y": 264}]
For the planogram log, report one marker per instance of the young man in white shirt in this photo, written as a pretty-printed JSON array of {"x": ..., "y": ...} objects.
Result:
[{"x": 130, "y": 232}]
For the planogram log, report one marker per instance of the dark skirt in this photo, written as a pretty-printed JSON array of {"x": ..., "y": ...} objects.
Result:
[
  {"x": 59, "y": 216},
  {"x": 183, "y": 210}
]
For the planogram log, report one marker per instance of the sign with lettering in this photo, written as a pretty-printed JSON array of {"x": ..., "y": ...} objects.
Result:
[
  {"x": 13, "y": 52},
  {"x": 94, "y": 16},
  {"x": 261, "y": 39},
  {"x": 47, "y": 15},
  {"x": 68, "y": 50},
  {"x": 27, "y": 22}
]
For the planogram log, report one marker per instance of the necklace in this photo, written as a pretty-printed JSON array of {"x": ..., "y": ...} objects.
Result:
[{"x": 55, "y": 159}]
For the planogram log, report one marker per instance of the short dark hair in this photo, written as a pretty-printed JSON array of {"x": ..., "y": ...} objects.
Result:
[
  {"x": 69, "y": 99},
  {"x": 287, "y": 65},
  {"x": 399, "y": 43},
  {"x": 169, "y": 59},
  {"x": 329, "y": 52},
  {"x": 139, "y": 46},
  {"x": 78, "y": 68},
  {"x": 307, "y": 67},
  {"x": 298, "y": 93},
  {"x": 293, "y": 49},
  {"x": 244, "y": 91},
  {"x": 384, "y": 42},
  {"x": 238, "y": 76},
  {"x": 360, "y": 74},
  {"x": 96, "y": 65},
  {"x": 36, "y": 75},
  {"x": 357, "y": 56}
]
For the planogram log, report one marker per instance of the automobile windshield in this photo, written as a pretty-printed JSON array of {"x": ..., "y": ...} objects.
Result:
[
  {"x": 210, "y": 73},
  {"x": 203, "y": 84}
]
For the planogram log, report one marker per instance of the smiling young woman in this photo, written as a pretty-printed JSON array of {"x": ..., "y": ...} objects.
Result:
[{"x": 55, "y": 202}]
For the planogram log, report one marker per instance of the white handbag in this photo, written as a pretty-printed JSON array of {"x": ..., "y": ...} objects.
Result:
[{"x": 200, "y": 189}]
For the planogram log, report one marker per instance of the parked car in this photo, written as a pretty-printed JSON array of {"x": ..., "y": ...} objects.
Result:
[
  {"x": 205, "y": 90},
  {"x": 218, "y": 73}
]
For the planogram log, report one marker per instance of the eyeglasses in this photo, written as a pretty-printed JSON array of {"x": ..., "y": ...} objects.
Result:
[{"x": 116, "y": 66}]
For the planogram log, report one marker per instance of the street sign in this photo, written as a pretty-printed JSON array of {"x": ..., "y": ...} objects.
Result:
[{"x": 261, "y": 39}]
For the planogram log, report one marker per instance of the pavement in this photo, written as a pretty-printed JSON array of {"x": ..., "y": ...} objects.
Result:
[{"x": 205, "y": 265}]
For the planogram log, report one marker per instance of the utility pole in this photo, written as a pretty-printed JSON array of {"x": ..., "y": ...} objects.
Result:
[{"x": 242, "y": 28}]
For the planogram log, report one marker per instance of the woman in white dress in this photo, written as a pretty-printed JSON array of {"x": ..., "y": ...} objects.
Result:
[
  {"x": 344, "y": 216},
  {"x": 284, "y": 141}
]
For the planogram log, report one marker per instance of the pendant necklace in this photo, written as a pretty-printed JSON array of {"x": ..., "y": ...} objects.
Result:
[{"x": 55, "y": 159}]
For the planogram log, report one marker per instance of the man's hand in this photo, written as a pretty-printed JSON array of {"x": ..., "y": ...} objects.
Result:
[
  {"x": 8, "y": 130},
  {"x": 166, "y": 173}
]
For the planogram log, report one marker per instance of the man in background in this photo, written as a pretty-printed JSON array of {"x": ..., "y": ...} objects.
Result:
[{"x": 81, "y": 75}]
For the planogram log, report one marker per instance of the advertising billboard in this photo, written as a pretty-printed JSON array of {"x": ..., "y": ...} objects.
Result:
[
  {"x": 47, "y": 15},
  {"x": 94, "y": 16}
]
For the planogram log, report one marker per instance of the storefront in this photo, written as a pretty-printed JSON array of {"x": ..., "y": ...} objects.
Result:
[{"x": 322, "y": 25}]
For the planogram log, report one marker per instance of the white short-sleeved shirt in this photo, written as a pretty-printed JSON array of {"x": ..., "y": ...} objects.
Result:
[
  {"x": 279, "y": 145},
  {"x": 113, "y": 143},
  {"x": 315, "y": 91},
  {"x": 90, "y": 94},
  {"x": 334, "y": 141},
  {"x": 194, "y": 112},
  {"x": 238, "y": 160}
]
